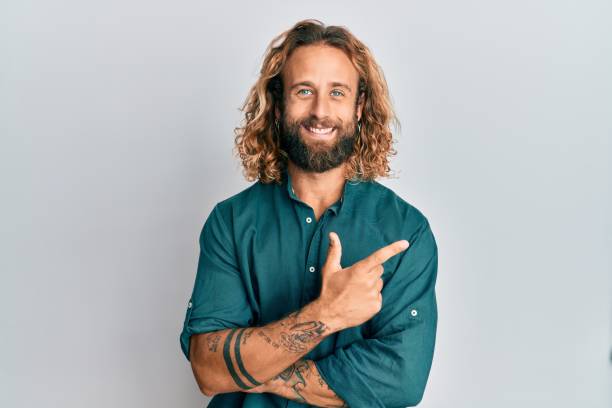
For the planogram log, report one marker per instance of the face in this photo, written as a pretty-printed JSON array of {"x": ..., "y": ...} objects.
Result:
[{"x": 318, "y": 119}]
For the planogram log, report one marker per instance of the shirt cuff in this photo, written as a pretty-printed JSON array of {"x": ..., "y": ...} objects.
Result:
[{"x": 345, "y": 382}]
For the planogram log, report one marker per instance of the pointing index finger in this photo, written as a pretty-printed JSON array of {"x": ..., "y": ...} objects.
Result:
[{"x": 383, "y": 254}]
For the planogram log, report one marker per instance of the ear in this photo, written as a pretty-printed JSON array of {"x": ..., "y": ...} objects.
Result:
[{"x": 360, "y": 103}]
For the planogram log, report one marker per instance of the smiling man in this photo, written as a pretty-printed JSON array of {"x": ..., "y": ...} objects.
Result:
[{"x": 315, "y": 285}]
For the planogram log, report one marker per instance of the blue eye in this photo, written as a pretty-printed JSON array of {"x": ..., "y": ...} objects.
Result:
[
  {"x": 307, "y": 90},
  {"x": 335, "y": 90}
]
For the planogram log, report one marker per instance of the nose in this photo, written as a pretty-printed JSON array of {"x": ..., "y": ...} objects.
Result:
[{"x": 320, "y": 107}]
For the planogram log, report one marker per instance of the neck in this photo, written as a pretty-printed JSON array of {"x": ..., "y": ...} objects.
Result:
[{"x": 319, "y": 190}]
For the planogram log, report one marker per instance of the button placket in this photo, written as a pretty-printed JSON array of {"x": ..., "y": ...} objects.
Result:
[{"x": 312, "y": 259}]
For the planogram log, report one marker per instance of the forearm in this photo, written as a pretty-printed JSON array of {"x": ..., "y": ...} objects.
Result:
[
  {"x": 302, "y": 382},
  {"x": 242, "y": 358}
]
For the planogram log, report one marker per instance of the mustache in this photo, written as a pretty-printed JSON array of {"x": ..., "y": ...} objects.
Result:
[{"x": 319, "y": 124}]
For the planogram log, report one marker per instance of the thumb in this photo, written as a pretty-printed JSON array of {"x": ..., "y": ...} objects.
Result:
[{"x": 334, "y": 252}]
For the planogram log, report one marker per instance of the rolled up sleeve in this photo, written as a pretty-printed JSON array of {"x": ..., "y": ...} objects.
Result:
[
  {"x": 218, "y": 300},
  {"x": 390, "y": 366}
]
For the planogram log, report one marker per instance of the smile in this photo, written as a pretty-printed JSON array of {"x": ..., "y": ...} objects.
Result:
[{"x": 319, "y": 131}]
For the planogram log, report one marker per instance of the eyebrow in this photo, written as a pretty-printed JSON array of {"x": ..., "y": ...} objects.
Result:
[{"x": 333, "y": 84}]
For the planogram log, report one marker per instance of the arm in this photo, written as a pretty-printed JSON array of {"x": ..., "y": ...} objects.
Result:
[
  {"x": 390, "y": 367},
  {"x": 302, "y": 382},
  {"x": 240, "y": 359},
  {"x": 239, "y": 365},
  {"x": 225, "y": 352}
]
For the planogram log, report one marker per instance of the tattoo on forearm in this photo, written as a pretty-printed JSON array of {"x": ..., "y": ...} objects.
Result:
[
  {"x": 228, "y": 361},
  {"x": 324, "y": 384},
  {"x": 247, "y": 334},
  {"x": 267, "y": 338},
  {"x": 213, "y": 341},
  {"x": 294, "y": 337},
  {"x": 300, "y": 334},
  {"x": 239, "y": 359},
  {"x": 298, "y": 377},
  {"x": 294, "y": 377},
  {"x": 232, "y": 344}
]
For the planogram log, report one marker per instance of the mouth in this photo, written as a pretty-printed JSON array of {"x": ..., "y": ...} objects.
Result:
[{"x": 320, "y": 133}]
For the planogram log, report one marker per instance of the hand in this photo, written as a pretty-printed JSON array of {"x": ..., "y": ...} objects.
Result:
[
  {"x": 265, "y": 387},
  {"x": 351, "y": 296},
  {"x": 275, "y": 385}
]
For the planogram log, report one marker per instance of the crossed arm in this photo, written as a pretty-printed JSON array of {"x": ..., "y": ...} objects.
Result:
[
  {"x": 266, "y": 359},
  {"x": 302, "y": 382},
  {"x": 389, "y": 367},
  {"x": 299, "y": 382}
]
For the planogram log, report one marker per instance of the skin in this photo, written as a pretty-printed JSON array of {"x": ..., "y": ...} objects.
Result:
[
  {"x": 269, "y": 358},
  {"x": 302, "y": 382}
]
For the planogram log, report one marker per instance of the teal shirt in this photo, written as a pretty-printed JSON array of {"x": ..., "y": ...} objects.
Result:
[{"x": 261, "y": 253}]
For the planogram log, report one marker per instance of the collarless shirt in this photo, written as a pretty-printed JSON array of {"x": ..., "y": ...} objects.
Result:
[{"x": 261, "y": 252}]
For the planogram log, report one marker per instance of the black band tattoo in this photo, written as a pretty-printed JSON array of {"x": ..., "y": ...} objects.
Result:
[
  {"x": 239, "y": 360},
  {"x": 228, "y": 361}
]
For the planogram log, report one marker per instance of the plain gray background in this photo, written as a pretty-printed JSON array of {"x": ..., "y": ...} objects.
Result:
[{"x": 117, "y": 124}]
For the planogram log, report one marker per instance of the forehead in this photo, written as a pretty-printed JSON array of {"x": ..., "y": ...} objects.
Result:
[{"x": 320, "y": 64}]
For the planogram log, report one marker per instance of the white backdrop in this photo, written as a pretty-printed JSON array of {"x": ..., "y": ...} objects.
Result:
[{"x": 116, "y": 122}]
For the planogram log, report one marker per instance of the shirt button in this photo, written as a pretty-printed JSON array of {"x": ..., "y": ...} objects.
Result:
[
  {"x": 311, "y": 269},
  {"x": 189, "y": 305},
  {"x": 308, "y": 220},
  {"x": 413, "y": 312}
]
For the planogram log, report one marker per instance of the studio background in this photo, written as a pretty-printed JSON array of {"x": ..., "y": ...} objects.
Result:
[{"x": 116, "y": 124}]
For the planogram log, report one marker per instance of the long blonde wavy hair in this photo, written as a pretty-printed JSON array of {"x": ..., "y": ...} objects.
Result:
[{"x": 257, "y": 141}]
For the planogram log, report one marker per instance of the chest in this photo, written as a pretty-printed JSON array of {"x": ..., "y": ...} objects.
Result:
[{"x": 281, "y": 256}]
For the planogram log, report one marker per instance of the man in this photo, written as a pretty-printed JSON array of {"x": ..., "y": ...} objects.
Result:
[{"x": 315, "y": 285}]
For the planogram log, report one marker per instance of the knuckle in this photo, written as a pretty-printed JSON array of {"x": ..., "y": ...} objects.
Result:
[{"x": 366, "y": 267}]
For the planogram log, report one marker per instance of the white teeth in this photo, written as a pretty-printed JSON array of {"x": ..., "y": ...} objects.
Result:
[{"x": 320, "y": 131}]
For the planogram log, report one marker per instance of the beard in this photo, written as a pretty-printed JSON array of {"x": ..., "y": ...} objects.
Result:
[{"x": 317, "y": 157}]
